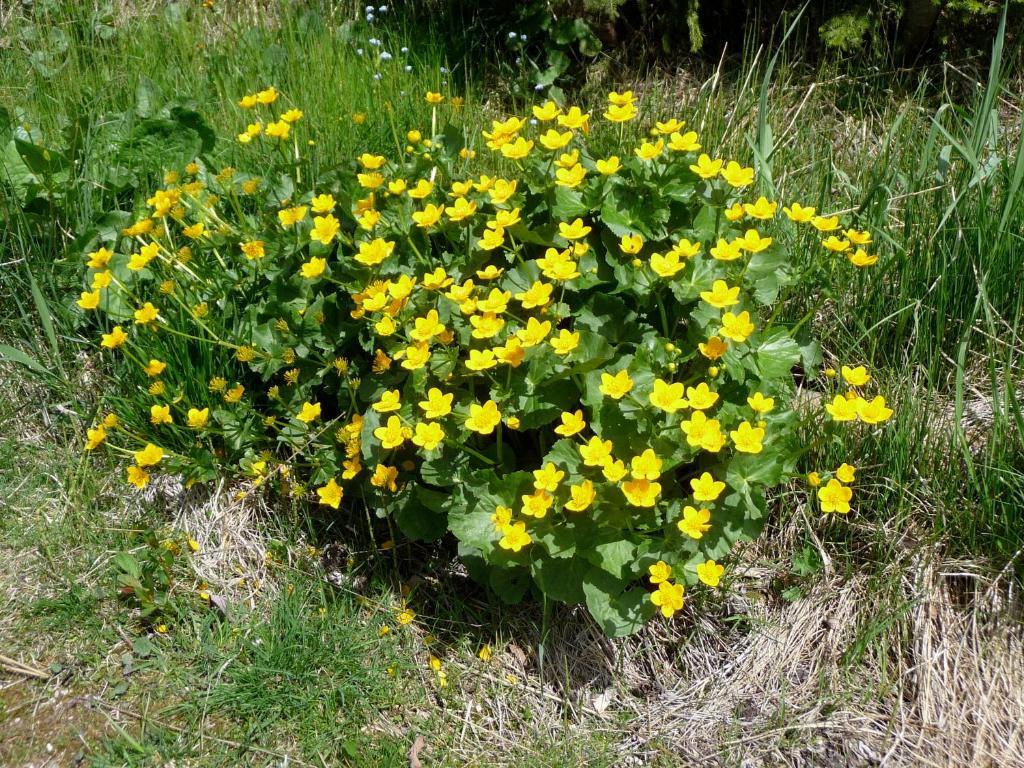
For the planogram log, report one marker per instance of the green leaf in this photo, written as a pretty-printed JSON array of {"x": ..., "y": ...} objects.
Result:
[
  {"x": 776, "y": 358},
  {"x": 421, "y": 514},
  {"x": 12, "y": 355},
  {"x": 616, "y": 557},
  {"x": 560, "y": 578},
  {"x": 618, "y": 613},
  {"x": 510, "y": 584}
]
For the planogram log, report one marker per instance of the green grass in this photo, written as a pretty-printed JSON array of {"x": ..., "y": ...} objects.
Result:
[{"x": 929, "y": 161}]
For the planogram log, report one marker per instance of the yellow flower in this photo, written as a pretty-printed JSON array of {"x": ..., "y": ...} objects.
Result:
[
  {"x": 436, "y": 280},
  {"x": 390, "y": 400},
  {"x": 279, "y": 130},
  {"x": 254, "y": 250},
  {"x": 370, "y": 180},
  {"x": 747, "y": 438},
  {"x": 546, "y": 112},
  {"x": 291, "y": 216},
  {"x": 842, "y": 409},
  {"x": 669, "y": 598},
  {"x": 646, "y": 466},
  {"x": 502, "y": 190},
  {"x": 462, "y": 209},
  {"x": 483, "y": 418},
  {"x": 397, "y": 186},
  {"x": 149, "y": 456},
  {"x": 138, "y": 477},
  {"x": 309, "y": 412},
  {"x": 94, "y": 437},
  {"x": 641, "y": 493},
  {"x": 89, "y": 299},
  {"x": 481, "y": 360},
  {"x": 683, "y": 142},
  {"x": 538, "y": 295},
  {"x": 649, "y": 151},
  {"x": 846, "y": 473},
  {"x": 614, "y": 470},
  {"x": 515, "y": 537},
  {"x": 855, "y": 377},
  {"x": 146, "y": 314},
  {"x": 565, "y": 342},
  {"x": 596, "y": 452},
  {"x": 374, "y": 252},
  {"x": 194, "y": 231},
  {"x": 558, "y": 265},
  {"x": 234, "y": 394},
  {"x": 710, "y": 573},
  {"x": 616, "y": 386},
  {"x": 517, "y": 149},
  {"x": 701, "y": 397},
  {"x": 694, "y": 522},
  {"x": 667, "y": 397},
  {"x": 554, "y": 139},
  {"x": 428, "y": 435},
  {"x": 537, "y": 503},
  {"x": 760, "y": 404},
  {"x": 706, "y": 168},
  {"x": 386, "y": 477},
  {"x": 835, "y": 244},
  {"x": 267, "y": 96},
  {"x": 99, "y": 259},
  {"x": 547, "y": 478},
  {"x": 702, "y": 432},
  {"x": 423, "y": 188},
  {"x": 620, "y": 113},
  {"x": 858, "y": 237},
  {"x": 392, "y": 434},
  {"x": 873, "y": 412},
  {"x": 835, "y": 497},
  {"x": 813, "y": 479},
  {"x": 659, "y": 572},
  {"x": 753, "y": 242},
  {"x": 610, "y": 166},
  {"x": 737, "y": 327},
  {"x": 570, "y": 177},
  {"x": 568, "y": 159},
  {"x": 428, "y": 217},
  {"x": 433, "y": 97},
  {"x": 575, "y": 119},
  {"x": 489, "y": 240},
  {"x": 437, "y": 405},
  {"x": 534, "y": 333},
  {"x": 197, "y": 419},
  {"x": 325, "y": 228},
  {"x": 485, "y": 652},
  {"x": 631, "y": 243},
  {"x": 799, "y": 213},
  {"x": 713, "y": 349},
  {"x": 486, "y": 325},
  {"x": 574, "y": 231},
  {"x": 825, "y": 223},
  {"x": 727, "y": 251},
  {"x": 331, "y": 494},
  {"x": 860, "y": 258},
  {"x": 582, "y": 496},
  {"x": 706, "y": 488},
  {"x": 572, "y": 424},
  {"x": 736, "y": 175},
  {"x": 314, "y": 268},
  {"x": 721, "y": 295},
  {"x": 502, "y": 517},
  {"x": 762, "y": 209},
  {"x": 735, "y": 212},
  {"x": 669, "y": 126}
]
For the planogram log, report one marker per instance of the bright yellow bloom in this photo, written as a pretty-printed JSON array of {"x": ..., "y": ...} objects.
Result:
[
  {"x": 614, "y": 470},
  {"x": 89, "y": 300},
  {"x": 99, "y": 259},
  {"x": 762, "y": 209},
  {"x": 436, "y": 280},
  {"x": 502, "y": 516},
  {"x": 727, "y": 251},
  {"x": 279, "y": 130},
  {"x": 538, "y": 295},
  {"x": 667, "y": 265},
  {"x": 147, "y": 313},
  {"x": 483, "y": 418},
  {"x": 102, "y": 280},
  {"x": 94, "y": 437},
  {"x": 423, "y": 188},
  {"x": 502, "y": 190},
  {"x": 145, "y": 255},
  {"x": 858, "y": 237},
  {"x": 659, "y": 572},
  {"x": 331, "y": 494},
  {"x": 846, "y": 473},
  {"x": 554, "y": 140},
  {"x": 547, "y": 478},
  {"x": 747, "y": 438},
  {"x": 267, "y": 96},
  {"x": 669, "y": 598},
  {"x": 575, "y": 119},
  {"x": 313, "y": 268},
  {"x": 195, "y": 231},
  {"x": 462, "y": 209},
  {"x": 737, "y": 327},
  {"x": 428, "y": 435},
  {"x": 667, "y": 397},
  {"x": 572, "y": 424},
  {"x": 701, "y": 397},
  {"x": 486, "y": 325},
  {"x": 597, "y": 452},
  {"x": 546, "y": 112},
  {"x": 308, "y": 413},
  {"x": 694, "y": 522},
  {"x": 706, "y": 488},
  {"x": 721, "y": 295},
  {"x": 813, "y": 479},
  {"x": 621, "y": 113},
  {"x": 842, "y": 409},
  {"x": 489, "y": 240},
  {"x": 706, "y": 168},
  {"x": 570, "y": 177},
  {"x": 325, "y": 229},
  {"x": 873, "y": 412},
  {"x": 683, "y": 142},
  {"x": 616, "y": 386},
  {"x": 610, "y": 166},
  {"x": 429, "y": 216},
  {"x": 416, "y": 356},
  {"x": 735, "y": 212},
  {"x": 650, "y": 150},
  {"x": 702, "y": 432},
  {"x": 397, "y": 186},
  {"x": 835, "y": 497},
  {"x": 558, "y": 265},
  {"x": 390, "y": 400},
  {"x": 197, "y": 419},
  {"x": 537, "y": 503},
  {"x": 392, "y": 434},
  {"x": 323, "y": 203},
  {"x": 254, "y": 250},
  {"x": 515, "y": 537},
  {"x": 565, "y": 342},
  {"x": 374, "y": 252},
  {"x": 760, "y": 404},
  {"x": 517, "y": 149},
  {"x": 512, "y": 353},
  {"x": 836, "y": 244},
  {"x": 753, "y": 242},
  {"x": 114, "y": 339},
  {"x": 799, "y": 213},
  {"x": 574, "y": 231},
  {"x": 825, "y": 223},
  {"x": 710, "y": 573},
  {"x": 646, "y": 466},
  {"x": 737, "y": 176},
  {"x": 426, "y": 328},
  {"x": 669, "y": 126},
  {"x": 386, "y": 477},
  {"x": 631, "y": 243},
  {"x": 149, "y": 456},
  {"x": 291, "y": 216},
  {"x": 641, "y": 493},
  {"x": 438, "y": 404},
  {"x": 534, "y": 333},
  {"x": 582, "y": 496},
  {"x": 713, "y": 349},
  {"x": 861, "y": 258},
  {"x": 433, "y": 97},
  {"x": 620, "y": 99},
  {"x": 138, "y": 477},
  {"x": 855, "y": 377}
]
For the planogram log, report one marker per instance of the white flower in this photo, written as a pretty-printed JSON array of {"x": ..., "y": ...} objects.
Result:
[
  {"x": 408, "y": 67},
  {"x": 385, "y": 56},
  {"x": 512, "y": 35}
]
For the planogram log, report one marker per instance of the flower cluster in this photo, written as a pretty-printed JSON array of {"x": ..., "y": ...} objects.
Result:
[{"x": 568, "y": 360}]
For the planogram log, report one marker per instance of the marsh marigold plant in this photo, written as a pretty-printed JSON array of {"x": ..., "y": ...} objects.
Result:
[{"x": 569, "y": 359}]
